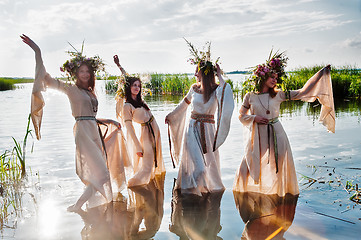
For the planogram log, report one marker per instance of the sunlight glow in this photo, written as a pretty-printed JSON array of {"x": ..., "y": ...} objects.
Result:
[{"x": 49, "y": 216}]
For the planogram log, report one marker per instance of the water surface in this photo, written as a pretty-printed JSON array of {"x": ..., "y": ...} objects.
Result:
[{"x": 317, "y": 154}]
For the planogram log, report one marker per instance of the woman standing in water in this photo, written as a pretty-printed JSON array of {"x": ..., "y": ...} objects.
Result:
[
  {"x": 92, "y": 165},
  {"x": 199, "y": 170},
  {"x": 267, "y": 166},
  {"x": 147, "y": 150}
]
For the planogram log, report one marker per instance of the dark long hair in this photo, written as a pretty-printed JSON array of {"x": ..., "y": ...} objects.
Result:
[
  {"x": 91, "y": 82},
  {"x": 128, "y": 94},
  {"x": 209, "y": 84}
]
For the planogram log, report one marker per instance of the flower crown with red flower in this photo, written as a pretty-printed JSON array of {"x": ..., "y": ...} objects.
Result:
[
  {"x": 276, "y": 63},
  {"x": 71, "y": 66},
  {"x": 202, "y": 58}
]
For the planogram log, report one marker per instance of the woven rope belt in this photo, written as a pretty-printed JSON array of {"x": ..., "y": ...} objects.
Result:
[
  {"x": 201, "y": 119},
  {"x": 269, "y": 128},
  {"x": 81, "y": 118},
  {"x": 153, "y": 140}
]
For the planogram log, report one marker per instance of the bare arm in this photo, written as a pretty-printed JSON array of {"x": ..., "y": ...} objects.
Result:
[
  {"x": 116, "y": 61},
  {"x": 219, "y": 75}
]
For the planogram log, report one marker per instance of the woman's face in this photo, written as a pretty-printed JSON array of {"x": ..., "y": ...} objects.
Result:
[
  {"x": 135, "y": 88},
  {"x": 83, "y": 74},
  {"x": 198, "y": 74},
  {"x": 271, "y": 81}
]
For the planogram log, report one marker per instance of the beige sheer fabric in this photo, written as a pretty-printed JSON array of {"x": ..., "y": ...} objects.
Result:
[
  {"x": 199, "y": 172},
  {"x": 257, "y": 172},
  {"x": 144, "y": 167},
  {"x": 91, "y": 163}
]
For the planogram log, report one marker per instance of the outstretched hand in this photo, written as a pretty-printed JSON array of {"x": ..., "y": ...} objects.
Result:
[
  {"x": 328, "y": 68},
  {"x": 116, "y": 60},
  {"x": 219, "y": 70},
  {"x": 30, "y": 42}
]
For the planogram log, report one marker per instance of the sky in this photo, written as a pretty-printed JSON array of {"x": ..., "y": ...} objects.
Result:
[{"x": 147, "y": 35}]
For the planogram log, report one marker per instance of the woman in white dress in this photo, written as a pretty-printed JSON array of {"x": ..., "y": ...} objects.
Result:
[
  {"x": 199, "y": 170},
  {"x": 267, "y": 166},
  {"x": 94, "y": 166},
  {"x": 147, "y": 150}
]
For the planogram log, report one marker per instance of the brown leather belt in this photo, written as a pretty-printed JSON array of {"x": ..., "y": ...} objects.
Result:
[{"x": 201, "y": 119}]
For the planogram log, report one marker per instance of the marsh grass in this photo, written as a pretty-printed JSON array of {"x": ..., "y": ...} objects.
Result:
[
  {"x": 12, "y": 181},
  {"x": 168, "y": 84},
  {"x": 346, "y": 80},
  {"x": 9, "y": 83}
]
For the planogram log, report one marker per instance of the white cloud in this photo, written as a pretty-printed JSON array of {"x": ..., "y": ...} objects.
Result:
[
  {"x": 148, "y": 34},
  {"x": 354, "y": 42}
]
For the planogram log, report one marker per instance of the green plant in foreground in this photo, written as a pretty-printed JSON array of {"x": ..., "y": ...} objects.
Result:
[
  {"x": 12, "y": 173},
  {"x": 20, "y": 152}
]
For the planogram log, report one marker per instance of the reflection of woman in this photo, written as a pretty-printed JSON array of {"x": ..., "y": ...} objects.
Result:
[
  {"x": 265, "y": 216},
  {"x": 195, "y": 217},
  {"x": 147, "y": 150},
  {"x": 149, "y": 200},
  {"x": 199, "y": 170},
  {"x": 91, "y": 162},
  {"x": 267, "y": 166},
  {"x": 122, "y": 220}
]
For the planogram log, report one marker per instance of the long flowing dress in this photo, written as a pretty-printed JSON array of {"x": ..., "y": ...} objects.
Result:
[
  {"x": 94, "y": 165},
  {"x": 149, "y": 143},
  {"x": 267, "y": 166},
  {"x": 199, "y": 170}
]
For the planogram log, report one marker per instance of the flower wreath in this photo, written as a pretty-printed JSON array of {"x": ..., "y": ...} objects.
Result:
[
  {"x": 202, "y": 58},
  {"x": 71, "y": 66},
  {"x": 276, "y": 63},
  {"x": 123, "y": 82}
]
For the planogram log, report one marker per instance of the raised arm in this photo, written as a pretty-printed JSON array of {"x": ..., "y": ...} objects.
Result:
[
  {"x": 219, "y": 75},
  {"x": 31, "y": 44},
  {"x": 116, "y": 61},
  {"x": 44, "y": 79}
]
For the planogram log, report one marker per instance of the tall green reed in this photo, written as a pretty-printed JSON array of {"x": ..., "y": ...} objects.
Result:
[{"x": 12, "y": 173}]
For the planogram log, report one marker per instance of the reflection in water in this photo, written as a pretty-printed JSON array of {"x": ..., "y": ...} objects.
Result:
[
  {"x": 149, "y": 201},
  {"x": 195, "y": 217},
  {"x": 265, "y": 216},
  {"x": 122, "y": 220}
]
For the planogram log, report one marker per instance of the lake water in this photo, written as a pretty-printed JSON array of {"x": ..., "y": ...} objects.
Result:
[{"x": 322, "y": 211}]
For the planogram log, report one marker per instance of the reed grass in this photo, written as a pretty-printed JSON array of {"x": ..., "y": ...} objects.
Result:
[
  {"x": 12, "y": 175},
  {"x": 346, "y": 80},
  {"x": 9, "y": 83},
  {"x": 168, "y": 84}
]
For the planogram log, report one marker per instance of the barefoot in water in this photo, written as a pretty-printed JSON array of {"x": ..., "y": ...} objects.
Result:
[{"x": 73, "y": 208}]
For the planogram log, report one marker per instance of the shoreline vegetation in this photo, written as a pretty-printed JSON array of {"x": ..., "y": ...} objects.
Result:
[{"x": 346, "y": 82}]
